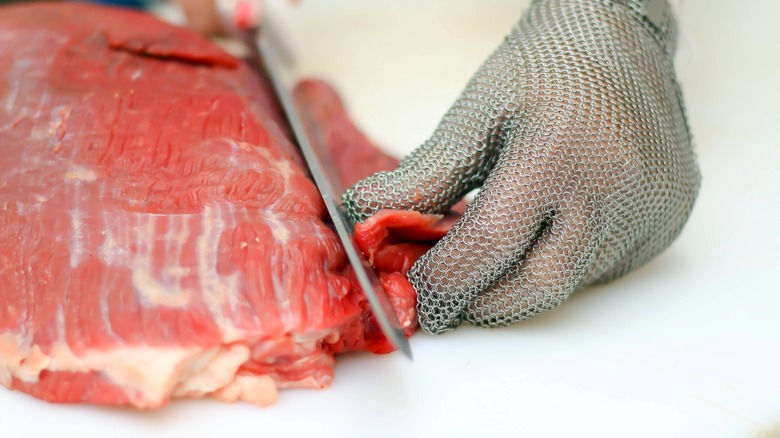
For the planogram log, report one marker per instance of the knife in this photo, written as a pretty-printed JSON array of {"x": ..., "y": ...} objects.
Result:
[{"x": 270, "y": 52}]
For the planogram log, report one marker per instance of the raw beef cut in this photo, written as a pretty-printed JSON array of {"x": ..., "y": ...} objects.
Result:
[{"x": 159, "y": 237}]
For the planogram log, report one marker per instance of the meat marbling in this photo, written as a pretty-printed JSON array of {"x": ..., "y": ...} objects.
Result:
[{"x": 158, "y": 236}]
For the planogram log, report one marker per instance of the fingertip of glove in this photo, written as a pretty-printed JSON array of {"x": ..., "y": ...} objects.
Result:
[
  {"x": 354, "y": 205},
  {"x": 434, "y": 328},
  {"x": 436, "y": 314}
]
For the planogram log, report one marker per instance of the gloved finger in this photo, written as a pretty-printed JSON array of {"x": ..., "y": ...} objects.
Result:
[
  {"x": 458, "y": 156},
  {"x": 550, "y": 271},
  {"x": 495, "y": 231},
  {"x": 432, "y": 179}
]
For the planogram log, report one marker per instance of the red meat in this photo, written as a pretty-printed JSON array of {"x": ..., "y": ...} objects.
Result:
[{"x": 159, "y": 237}]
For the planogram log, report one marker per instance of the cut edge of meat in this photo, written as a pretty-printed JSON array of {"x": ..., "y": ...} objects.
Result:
[{"x": 150, "y": 52}]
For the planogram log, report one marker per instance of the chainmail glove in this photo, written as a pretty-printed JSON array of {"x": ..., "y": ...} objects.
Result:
[{"x": 575, "y": 130}]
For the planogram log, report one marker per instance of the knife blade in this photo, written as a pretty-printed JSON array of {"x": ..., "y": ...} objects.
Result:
[{"x": 322, "y": 171}]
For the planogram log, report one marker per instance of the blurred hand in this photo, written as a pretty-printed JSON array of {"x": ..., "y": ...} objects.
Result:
[{"x": 219, "y": 17}]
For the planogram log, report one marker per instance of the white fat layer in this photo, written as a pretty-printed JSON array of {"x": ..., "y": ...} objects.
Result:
[
  {"x": 281, "y": 234},
  {"x": 312, "y": 336},
  {"x": 114, "y": 249},
  {"x": 23, "y": 363},
  {"x": 218, "y": 290},
  {"x": 212, "y": 371},
  {"x": 149, "y": 376},
  {"x": 80, "y": 173},
  {"x": 258, "y": 390},
  {"x": 145, "y": 374},
  {"x": 11, "y": 97},
  {"x": 157, "y": 293},
  {"x": 76, "y": 234},
  {"x": 279, "y": 230},
  {"x": 157, "y": 262},
  {"x": 156, "y": 286}
]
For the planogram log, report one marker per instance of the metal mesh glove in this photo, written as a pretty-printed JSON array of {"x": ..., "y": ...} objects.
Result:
[{"x": 575, "y": 130}]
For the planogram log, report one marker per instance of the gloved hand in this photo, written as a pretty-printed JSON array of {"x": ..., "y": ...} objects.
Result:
[{"x": 575, "y": 130}]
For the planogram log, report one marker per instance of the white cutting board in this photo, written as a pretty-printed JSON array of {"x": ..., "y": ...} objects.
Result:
[{"x": 688, "y": 345}]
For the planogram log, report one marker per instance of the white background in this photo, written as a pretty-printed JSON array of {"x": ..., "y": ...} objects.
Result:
[{"x": 688, "y": 345}]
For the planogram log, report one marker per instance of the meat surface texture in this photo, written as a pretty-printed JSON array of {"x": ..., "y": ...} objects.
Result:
[{"x": 159, "y": 237}]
